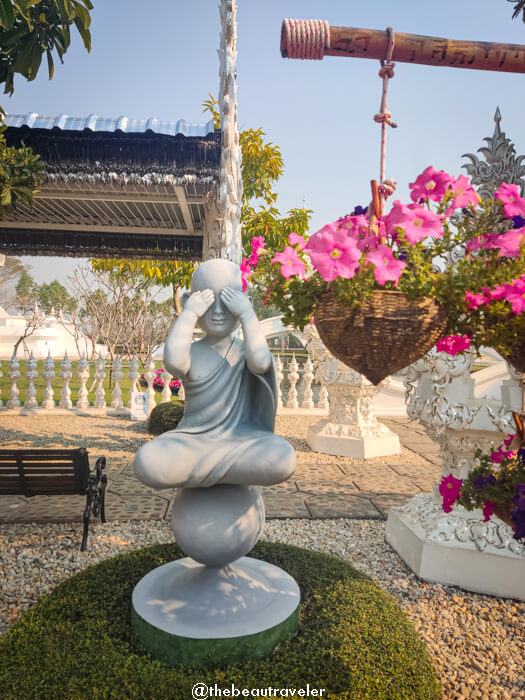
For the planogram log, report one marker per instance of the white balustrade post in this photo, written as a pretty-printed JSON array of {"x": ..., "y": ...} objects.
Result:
[
  {"x": 149, "y": 376},
  {"x": 49, "y": 375},
  {"x": 83, "y": 376},
  {"x": 308, "y": 377},
  {"x": 65, "y": 375},
  {"x": 100, "y": 375},
  {"x": 166, "y": 391},
  {"x": 279, "y": 372},
  {"x": 133, "y": 375},
  {"x": 31, "y": 375},
  {"x": 14, "y": 376},
  {"x": 293, "y": 378},
  {"x": 182, "y": 393},
  {"x": 117, "y": 375}
]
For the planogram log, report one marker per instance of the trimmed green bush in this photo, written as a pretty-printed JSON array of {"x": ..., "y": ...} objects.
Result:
[
  {"x": 354, "y": 640},
  {"x": 165, "y": 416}
]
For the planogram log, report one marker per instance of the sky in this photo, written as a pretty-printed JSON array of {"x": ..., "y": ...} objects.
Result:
[{"x": 159, "y": 59}]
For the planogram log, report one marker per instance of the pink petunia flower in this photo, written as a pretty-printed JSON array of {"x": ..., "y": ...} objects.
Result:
[
  {"x": 488, "y": 511},
  {"x": 501, "y": 454},
  {"x": 509, "y": 243},
  {"x": 474, "y": 301},
  {"x": 513, "y": 204},
  {"x": 514, "y": 293},
  {"x": 453, "y": 344},
  {"x": 449, "y": 489},
  {"x": 462, "y": 194},
  {"x": 334, "y": 253},
  {"x": 431, "y": 184},
  {"x": 291, "y": 264},
  {"x": 386, "y": 267},
  {"x": 296, "y": 239},
  {"x": 246, "y": 270},
  {"x": 417, "y": 222}
]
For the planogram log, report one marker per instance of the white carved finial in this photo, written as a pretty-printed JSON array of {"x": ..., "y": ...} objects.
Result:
[
  {"x": 293, "y": 378},
  {"x": 133, "y": 375},
  {"x": 83, "y": 375},
  {"x": 117, "y": 374},
  {"x": 65, "y": 375},
  {"x": 100, "y": 374},
  {"x": 280, "y": 377},
  {"x": 49, "y": 375},
  {"x": 149, "y": 376},
  {"x": 14, "y": 376},
  {"x": 31, "y": 375},
  {"x": 166, "y": 390},
  {"x": 308, "y": 377}
]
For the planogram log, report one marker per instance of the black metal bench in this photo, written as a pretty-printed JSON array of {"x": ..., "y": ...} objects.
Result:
[{"x": 55, "y": 472}]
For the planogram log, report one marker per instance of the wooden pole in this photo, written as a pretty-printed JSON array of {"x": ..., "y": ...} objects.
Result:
[{"x": 409, "y": 48}]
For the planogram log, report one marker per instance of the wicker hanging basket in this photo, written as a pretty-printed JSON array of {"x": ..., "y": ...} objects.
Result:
[
  {"x": 383, "y": 335},
  {"x": 516, "y": 359},
  {"x": 503, "y": 513}
]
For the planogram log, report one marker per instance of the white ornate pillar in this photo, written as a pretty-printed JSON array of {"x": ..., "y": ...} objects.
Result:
[
  {"x": 31, "y": 375},
  {"x": 351, "y": 429},
  {"x": 230, "y": 180},
  {"x": 49, "y": 375},
  {"x": 83, "y": 376},
  {"x": 14, "y": 375},
  {"x": 458, "y": 548},
  {"x": 65, "y": 375}
]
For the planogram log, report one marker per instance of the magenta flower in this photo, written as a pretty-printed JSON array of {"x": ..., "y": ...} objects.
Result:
[
  {"x": 296, "y": 239},
  {"x": 449, "y": 489},
  {"x": 386, "y": 267},
  {"x": 501, "y": 454},
  {"x": 514, "y": 293},
  {"x": 291, "y": 264},
  {"x": 334, "y": 253},
  {"x": 488, "y": 511},
  {"x": 509, "y": 243},
  {"x": 474, "y": 301},
  {"x": 513, "y": 204},
  {"x": 246, "y": 270},
  {"x": 417, "y": 222},
  {"x": 462, "y": 194},
  {"x": 453, "y": 344},
  {"x": 257, "y": 242},
  {"x": 431, "y": 184}
]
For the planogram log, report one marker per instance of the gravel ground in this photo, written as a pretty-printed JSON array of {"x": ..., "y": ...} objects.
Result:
[{"x": 477, "y": 642}]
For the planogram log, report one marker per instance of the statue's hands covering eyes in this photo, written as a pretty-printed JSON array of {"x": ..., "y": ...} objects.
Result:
[
  {"x": 199, "y": 302},
  {"x": 236, "y": 302}
]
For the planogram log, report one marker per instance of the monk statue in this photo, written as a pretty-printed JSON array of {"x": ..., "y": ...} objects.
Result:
[{"x": 226, "y": 435}]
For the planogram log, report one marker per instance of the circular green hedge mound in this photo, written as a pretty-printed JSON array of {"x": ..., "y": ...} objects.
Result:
[
  {"x": 165, "y": 416},
  {"x": 354, "y": 641}
]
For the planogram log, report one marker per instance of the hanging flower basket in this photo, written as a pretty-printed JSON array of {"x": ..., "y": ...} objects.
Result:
[
  {"x": 503, "y": 513},
  {"x": 383, "y": 335},
  {"x": 516, "y": 359}
]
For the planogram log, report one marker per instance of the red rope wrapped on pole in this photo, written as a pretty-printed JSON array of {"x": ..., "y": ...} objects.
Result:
[{"x": 314, "y": 39}]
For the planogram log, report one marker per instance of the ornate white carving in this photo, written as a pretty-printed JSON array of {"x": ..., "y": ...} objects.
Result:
[
  {"x": 149, "y": 376},
  {"x": 293, "y": 378},
  {"x": 280, "y": 376},
  {"x": 49, "y": 375},
  {"x": 117, "y": 374},
  {"x": 230, "y": 181},
  {"x": 308, "y": 377},
  {"x": 100, "y": 373},
  {"x": 83, "y": 376},
  {"x": 351, "y": 411},
  {"x": 65, "y": 375},
  {"x": 133, "y": 376},
  {"x": 459, "y": 526},
  {"x": 166, "y": 391},
  {"x": 14, "y": 376},
  {"x": 31, "y": 375}
]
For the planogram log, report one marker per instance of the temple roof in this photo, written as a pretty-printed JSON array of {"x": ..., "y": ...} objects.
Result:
[{"x": 114, "y": 187}]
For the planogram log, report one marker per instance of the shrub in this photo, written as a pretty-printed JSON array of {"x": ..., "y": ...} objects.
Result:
[
  {"x": 353, "y": 640},
  {"x": 165, "y": 416}
]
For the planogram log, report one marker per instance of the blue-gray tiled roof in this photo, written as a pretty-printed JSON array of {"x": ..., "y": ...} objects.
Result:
[{"x": 96, "y": 123}]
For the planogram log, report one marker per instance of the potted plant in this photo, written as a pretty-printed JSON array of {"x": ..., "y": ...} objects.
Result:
[
  {"x": 383, "y": 290},
  {"x": 175, "y": 386},
  {"x": 496, "y": 484}
]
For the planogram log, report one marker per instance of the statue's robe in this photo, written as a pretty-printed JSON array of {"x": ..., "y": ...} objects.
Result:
[{"x": 227, "y": 426}]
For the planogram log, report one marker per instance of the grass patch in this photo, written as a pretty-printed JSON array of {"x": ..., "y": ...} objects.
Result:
[{"x": 354, "y": 640}]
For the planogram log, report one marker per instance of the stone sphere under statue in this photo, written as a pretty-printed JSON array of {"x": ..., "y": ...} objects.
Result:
[{"x": 214, "y": 535}]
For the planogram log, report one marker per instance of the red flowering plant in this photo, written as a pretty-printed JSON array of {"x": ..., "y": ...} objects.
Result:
[
  {"x": 447, "y": 244},
  {"x": 496, "y": 484}
]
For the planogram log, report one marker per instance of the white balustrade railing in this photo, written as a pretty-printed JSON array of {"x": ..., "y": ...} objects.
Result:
[{"x": 80, "y": 386}]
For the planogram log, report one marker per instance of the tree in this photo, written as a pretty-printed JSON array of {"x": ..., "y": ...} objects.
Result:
[
  {"x": 520, "y": 7},
  {"x": 28, "y": 30},
  {"x": 55, "y": 297},
  {"x": 31, "y": 28},
  {"x": 10, "y": 273},
  {"x": 262, "y": 166}
]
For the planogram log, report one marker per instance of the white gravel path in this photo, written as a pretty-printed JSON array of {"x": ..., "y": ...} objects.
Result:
[{"x": 476, "y": 642}]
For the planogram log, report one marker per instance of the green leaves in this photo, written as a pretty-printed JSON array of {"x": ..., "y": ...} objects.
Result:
[{"x": 30, "y": 28}]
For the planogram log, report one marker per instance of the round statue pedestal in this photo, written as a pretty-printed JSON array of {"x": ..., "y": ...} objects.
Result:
[{"x": 216, "y": 606}]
